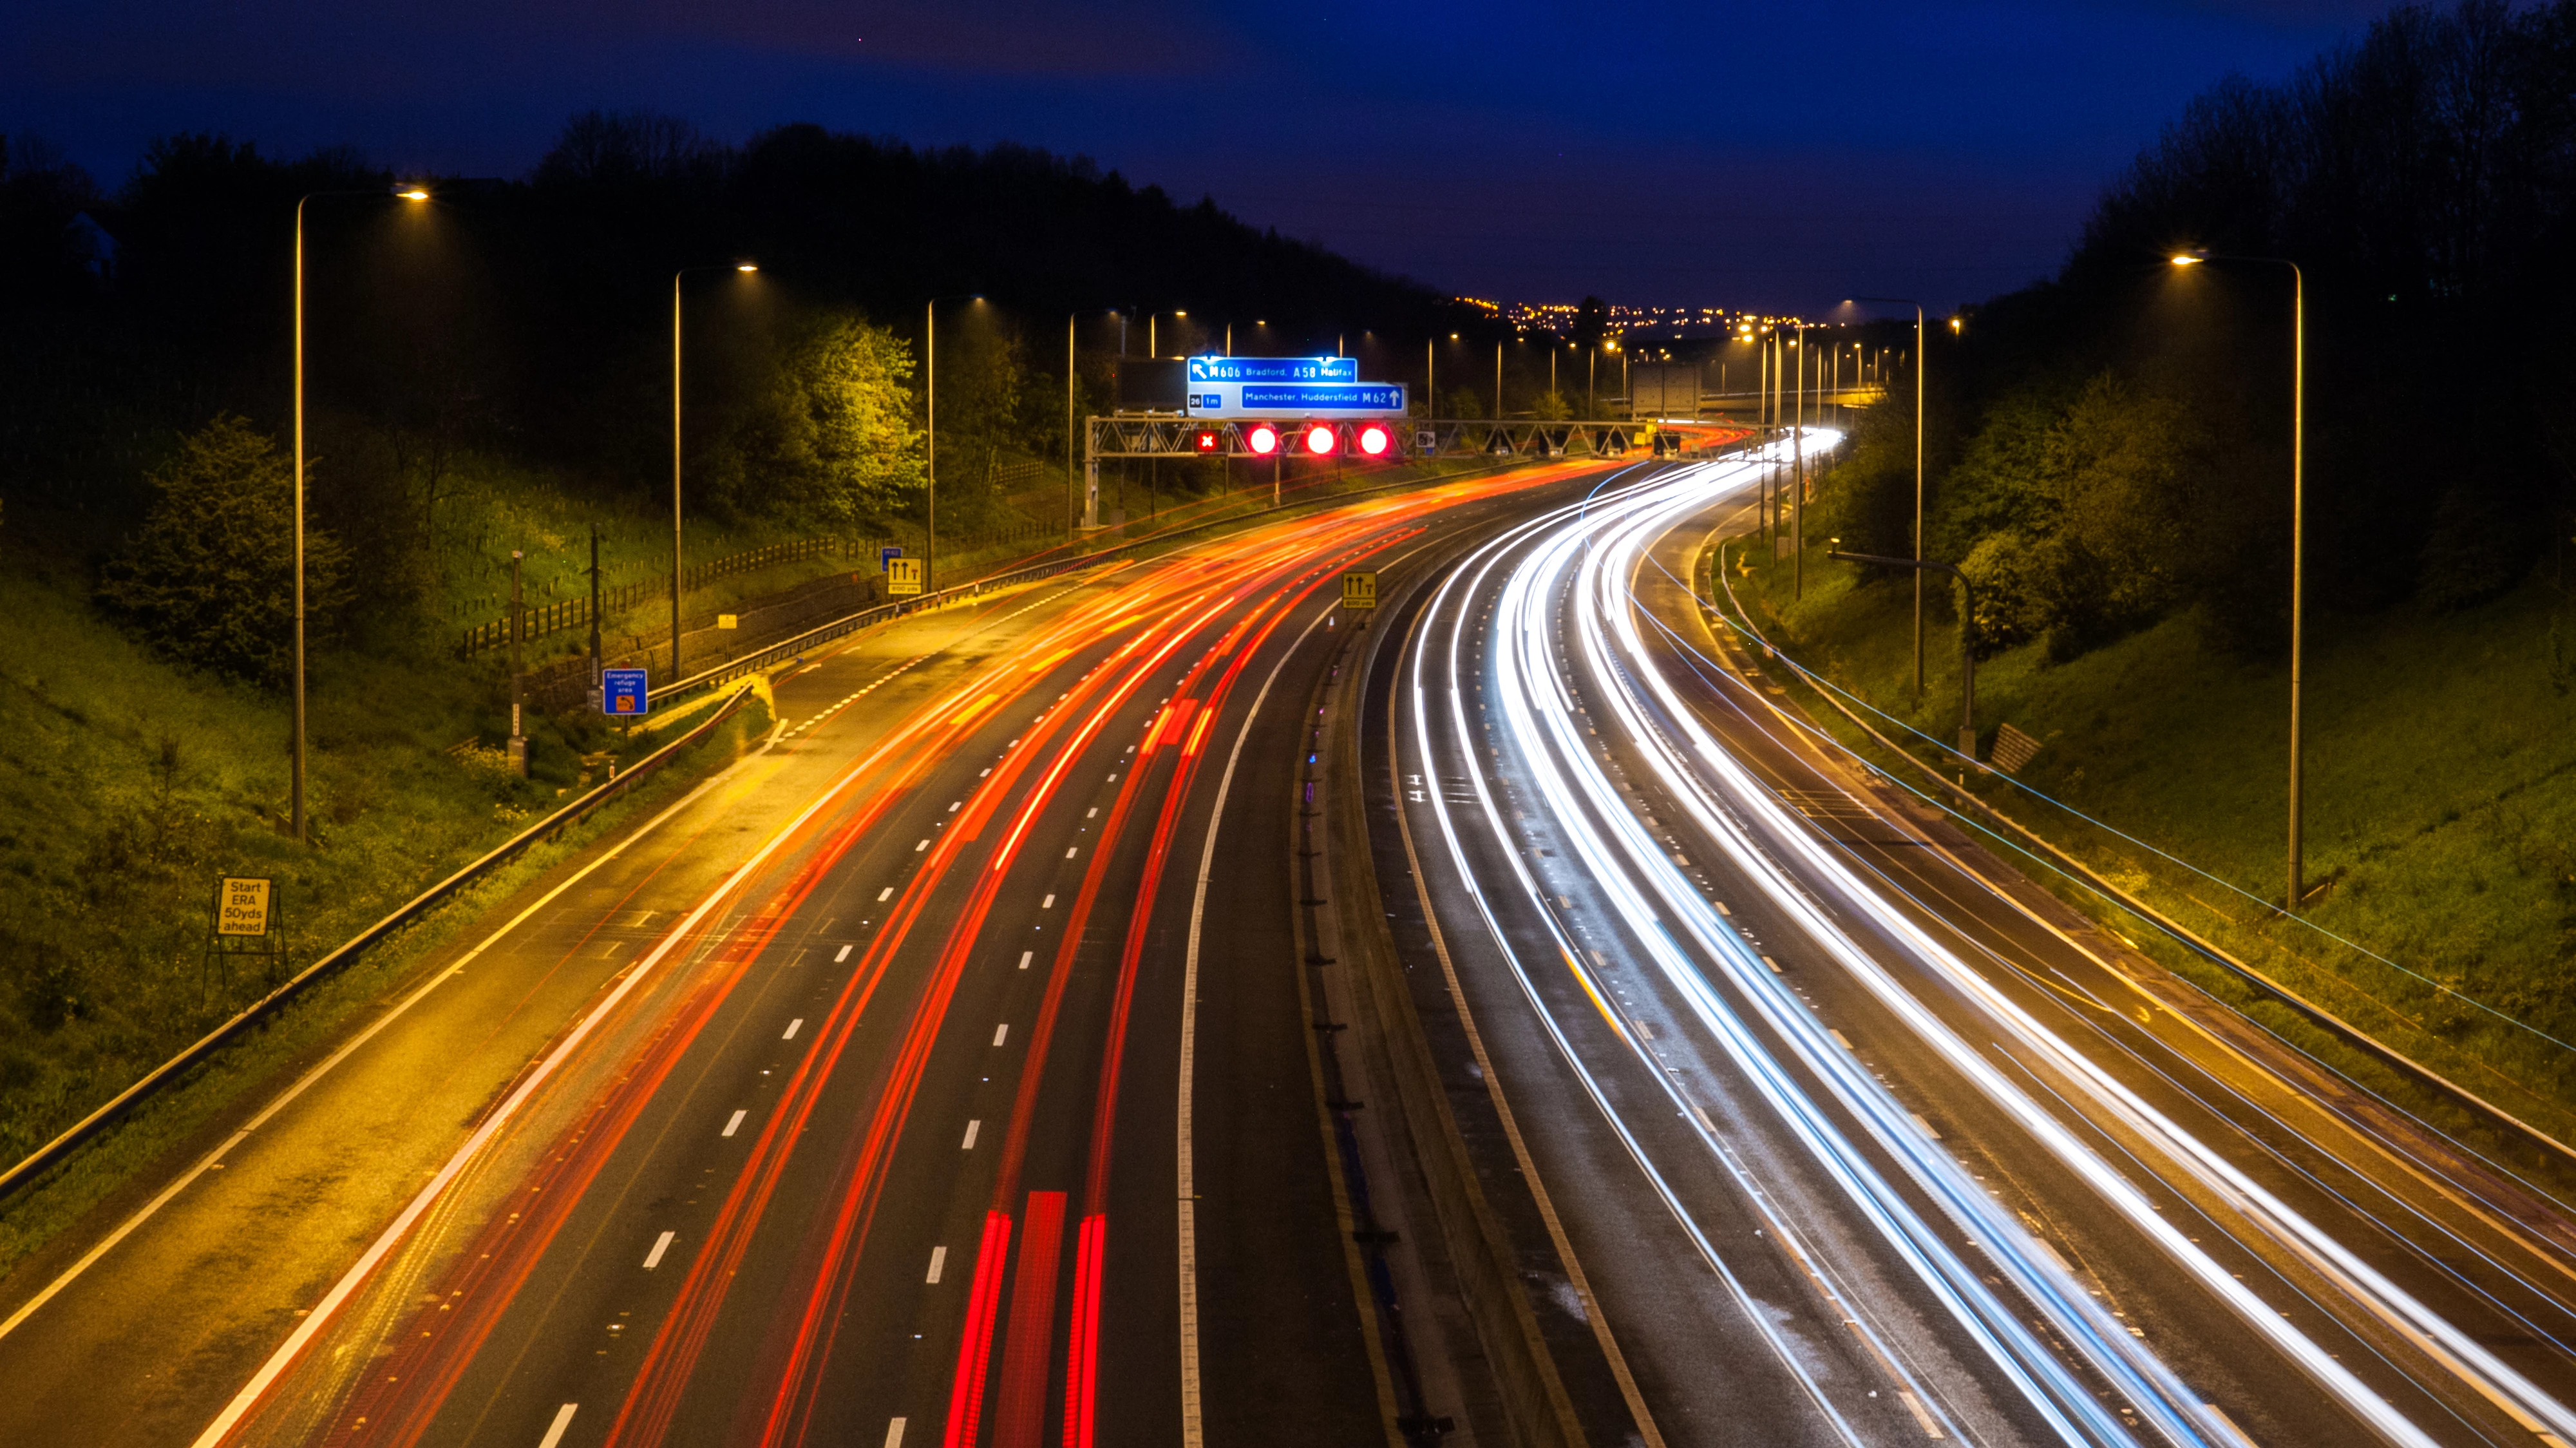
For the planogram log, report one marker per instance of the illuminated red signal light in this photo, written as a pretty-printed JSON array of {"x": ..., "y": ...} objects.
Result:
[
  {"x": 1319, "y": 438},
  {"x": 1374, "y": 440},
  {"x": 1263, "y": 439},
  {"x": 1208, "y": 440}
]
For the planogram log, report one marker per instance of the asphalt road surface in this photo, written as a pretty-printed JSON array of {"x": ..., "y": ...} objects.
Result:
[
  {"x": 936, "y": 1075},
  {"x": 1838, "y": 1130}
]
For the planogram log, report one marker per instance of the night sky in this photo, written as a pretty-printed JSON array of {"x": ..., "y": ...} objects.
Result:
[{"x": 1778, "y": 156}]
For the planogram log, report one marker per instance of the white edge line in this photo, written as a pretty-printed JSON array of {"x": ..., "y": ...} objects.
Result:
[
  {"x": 309, "y": 1078},
  {"x": 349, "y": 1282},
  {"x": 1193, "y": 1431}
]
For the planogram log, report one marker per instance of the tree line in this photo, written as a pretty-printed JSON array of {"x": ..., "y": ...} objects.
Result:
[
  {"x": 529, "y": 320},
  {"x": 2114, "y": 444}
]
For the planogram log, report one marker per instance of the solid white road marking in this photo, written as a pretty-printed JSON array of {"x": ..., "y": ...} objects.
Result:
[
  {"x": 661, "y": 1244},
  {"x": 938, "y": 1259},
  {"x": 1000, "y": 1031},
  {"x": 1025, "y": 957},
  {"x": 1193, "y": 1431},
  {"x": 736, "y": 1124},
  {"x": 971, "y": 1128},
  {"x": 793, "y": 1027},
  {"x": 844, "y": 955},
  {"x": 555, "y": 1432}
]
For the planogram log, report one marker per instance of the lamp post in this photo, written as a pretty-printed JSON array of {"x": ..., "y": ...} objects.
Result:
[
  {"x": 295, "y": 769},
  {"x": 930, "y": 431},
  {"x": 741, "y": 267},
  {"x": 1090, "y": 483},
  {"x": 2298, "y": 533},
  {"x": 1967, "y": 627},
  {"x": 1922, "y": 364}
]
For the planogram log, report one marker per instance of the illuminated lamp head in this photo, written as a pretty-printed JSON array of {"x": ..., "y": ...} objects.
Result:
[
  {"x": 1319, "y": 438},
  {"x": 1374, "y": 440},
  {"x": 1262, "y": 438}
]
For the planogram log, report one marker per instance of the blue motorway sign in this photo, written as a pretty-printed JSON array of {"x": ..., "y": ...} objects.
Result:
[
  {"x": 887, "y": 555},
  {"x": 623, "y": 692},
  {"x": 1274, "y": 369}
]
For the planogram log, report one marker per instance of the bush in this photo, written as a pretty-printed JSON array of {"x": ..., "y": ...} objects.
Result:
[{"x": 210, "y": 579}]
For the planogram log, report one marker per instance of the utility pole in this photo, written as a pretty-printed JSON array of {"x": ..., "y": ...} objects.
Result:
[{"x": 1798, "y": 478}]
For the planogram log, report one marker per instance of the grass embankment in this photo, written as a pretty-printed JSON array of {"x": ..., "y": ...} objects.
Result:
[
  {"x": 129, "y": 782},
  {"x": 2441, "y": 803}
]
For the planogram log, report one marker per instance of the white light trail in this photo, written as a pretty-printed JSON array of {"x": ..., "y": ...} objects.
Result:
[{"x": 1593, "y": 550}]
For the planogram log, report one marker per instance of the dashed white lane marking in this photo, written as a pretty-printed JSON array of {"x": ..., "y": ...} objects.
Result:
[
  {"x": 1068, "y": 854},
  {"x": 1775, "y": 965},
  {"x": 917, "y": 849},
  {"x": 1839, "y": 1038},
  {"x": 1025, "y": 957},
  {"x": 793, "y": 1027},
  {"x": 1000, "y": 1031},
  {"x": 555, "y": 1430},
  {"x": 2229, "y": 1424},
  {"x": 1924, "y": 1125},
  {"x": 661, "y": 1244},
  {"x": 1047, "y": 904},
  {"x": 1092, "y": 813},
  {"x": 938, "y": 1259},
  {"x": 952, "y": 805},
  {"x": 844, "y": 955},
  {"x": 735, "y": 1124},
  {"x": 882, "y": 896},
  {"x": 894, "y": 1433},
  {"x": 971, "y": 1128},
  {"x": 1922, "y": 1415}
]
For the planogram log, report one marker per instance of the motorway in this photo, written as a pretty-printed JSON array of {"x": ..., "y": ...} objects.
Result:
[
  {"x": 1836, "y": 1130},
  {"x": 938, "y": 1074},
  {"x": 982, "y": 1060}
]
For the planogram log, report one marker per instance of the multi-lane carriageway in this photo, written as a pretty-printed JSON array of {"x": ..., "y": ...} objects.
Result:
[
  {"x": 1847, "y": 1135},
  {"x": 945, "y": 1071},
  {"x": 934, "y": 1076}
]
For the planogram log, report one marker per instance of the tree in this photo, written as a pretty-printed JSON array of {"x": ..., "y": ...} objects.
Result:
[{"x": 210, "y": 577}]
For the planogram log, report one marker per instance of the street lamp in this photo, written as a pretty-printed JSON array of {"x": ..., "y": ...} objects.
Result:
[
  {"x": 1069, "y": 319},
  {"x": 738, "y": 266},
  {"x": 295, "y": 770},
  {"x": 930, "y": 431},
  {"x": 2298, "y": 528},
  {"x": 1921, "y": 365}
]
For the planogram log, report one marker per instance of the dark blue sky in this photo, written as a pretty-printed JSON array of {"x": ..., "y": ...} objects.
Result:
[{"x": 1778, "y": 156}]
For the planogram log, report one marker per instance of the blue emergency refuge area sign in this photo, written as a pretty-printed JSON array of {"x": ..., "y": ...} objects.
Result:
[{"x": 623, "y": 692}]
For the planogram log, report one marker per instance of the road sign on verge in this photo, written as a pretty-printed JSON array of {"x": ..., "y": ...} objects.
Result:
[
  {"x": 903, "y": 577},
  {"x": 728, "y": 620},
  {"x": 241, "y": 905},
  {"x": 1359, "y": 588},
  {"x": 246, "y": 920},
  {"x": 623, "y": 692},
  {"x": 886, "y": 557}
]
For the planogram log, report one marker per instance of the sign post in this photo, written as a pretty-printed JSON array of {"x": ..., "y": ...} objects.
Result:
[{"x": 245, "y": 920}]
